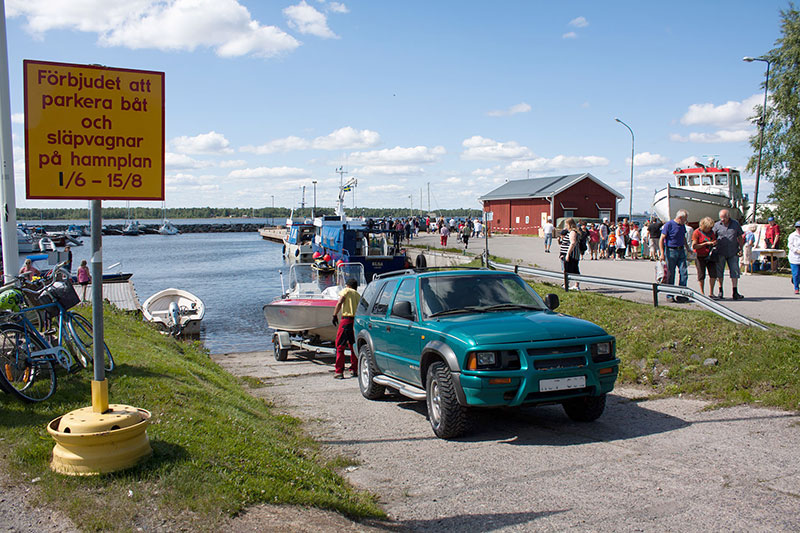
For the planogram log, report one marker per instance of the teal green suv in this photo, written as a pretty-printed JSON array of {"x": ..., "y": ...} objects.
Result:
[{"x": 474, "y": 338}]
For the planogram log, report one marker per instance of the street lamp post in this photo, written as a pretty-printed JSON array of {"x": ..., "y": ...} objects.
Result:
[
  {"x": 630, "y": 200},
  {"x": 761, "y": 131},
  {"x": 314, "y": 209}
]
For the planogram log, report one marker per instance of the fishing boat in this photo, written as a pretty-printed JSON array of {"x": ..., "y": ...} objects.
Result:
[
  {"x": 297, "y": 243},
  {"x": 702, "y": 190},
  {"x": 175, "y": 311},
  {"x": 357, "y": 241},
  {"x": 307, "y": 307}
]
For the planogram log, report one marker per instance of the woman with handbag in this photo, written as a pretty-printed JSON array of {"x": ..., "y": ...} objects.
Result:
[
  {"x": 570, "y": 250},
  {"x": 703, "y": 243}
]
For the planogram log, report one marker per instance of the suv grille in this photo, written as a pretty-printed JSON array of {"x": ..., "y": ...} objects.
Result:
[
  {"x": 561, "y": 362},
  {"x": 556, "y": 350}
]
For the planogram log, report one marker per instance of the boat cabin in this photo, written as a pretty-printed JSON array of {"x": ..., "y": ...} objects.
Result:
[{"x": 710, "y": 179}]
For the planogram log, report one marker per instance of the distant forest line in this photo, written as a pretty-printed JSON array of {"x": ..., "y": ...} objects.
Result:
[{"x": 53, "y": 213}]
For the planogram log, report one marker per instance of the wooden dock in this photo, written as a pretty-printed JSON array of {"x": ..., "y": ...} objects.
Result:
[
  {"x": 272, "y": 234},
  {"x": 121, "y": 295}
]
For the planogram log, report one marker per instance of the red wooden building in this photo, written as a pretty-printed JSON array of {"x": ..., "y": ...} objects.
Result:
[{"x": 523, "y": 206}]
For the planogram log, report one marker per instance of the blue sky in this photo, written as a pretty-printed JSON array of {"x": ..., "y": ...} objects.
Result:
[{"x": 263, "y": 97}]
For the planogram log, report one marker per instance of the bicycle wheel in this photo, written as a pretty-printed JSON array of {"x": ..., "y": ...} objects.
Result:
[
  {"x": 33, "y": 379},
  {"x": 80, "y": 330}
]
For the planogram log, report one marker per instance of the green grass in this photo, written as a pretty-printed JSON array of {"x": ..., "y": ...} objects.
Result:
[
  {"x": 217, "y": 449},
  {"x": 664, "y": 348}
]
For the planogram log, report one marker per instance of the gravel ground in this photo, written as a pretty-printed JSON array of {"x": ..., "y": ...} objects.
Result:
[
  {"x": 646, "y": 465},
  {"x": 18, "y": 513}
]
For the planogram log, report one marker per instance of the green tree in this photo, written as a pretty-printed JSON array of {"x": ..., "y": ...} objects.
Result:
[{"x": 780, "y": 162}]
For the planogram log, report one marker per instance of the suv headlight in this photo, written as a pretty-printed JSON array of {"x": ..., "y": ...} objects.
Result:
[
  {"x": 603, "y": 351},
  {"x": 495, "y": 360},
  {"x": 486, "y": 358}
]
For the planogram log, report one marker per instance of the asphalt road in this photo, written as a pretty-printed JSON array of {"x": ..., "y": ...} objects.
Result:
[
  {"x": 645, "y": 465},
  {"x": 768, "y": 298}
]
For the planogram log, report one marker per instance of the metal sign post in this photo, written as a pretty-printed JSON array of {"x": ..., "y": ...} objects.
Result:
[
  {"x": 99, "y": 396},
  {"x": 95, "y": 133}
]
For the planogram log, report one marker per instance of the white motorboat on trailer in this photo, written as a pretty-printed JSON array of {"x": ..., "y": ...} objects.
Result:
[
  {"x": 176, "y": 311},
  {"x": 307, "y": 307}
]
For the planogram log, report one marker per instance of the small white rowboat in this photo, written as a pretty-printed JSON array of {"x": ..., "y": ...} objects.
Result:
[{"x": 176, "y": 311}]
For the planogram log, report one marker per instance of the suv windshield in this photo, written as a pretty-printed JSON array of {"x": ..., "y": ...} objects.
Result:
[{"x": 483, "y": 293}]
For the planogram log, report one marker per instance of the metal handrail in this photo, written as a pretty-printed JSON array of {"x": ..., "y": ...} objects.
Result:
[{"x": 654, "y": 288}]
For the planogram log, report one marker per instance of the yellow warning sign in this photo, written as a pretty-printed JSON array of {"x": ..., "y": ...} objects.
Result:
[{"x": 93, "y": 132}]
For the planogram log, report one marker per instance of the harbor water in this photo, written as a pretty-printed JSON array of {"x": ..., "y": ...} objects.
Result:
[{"x": 234, "y": 274}]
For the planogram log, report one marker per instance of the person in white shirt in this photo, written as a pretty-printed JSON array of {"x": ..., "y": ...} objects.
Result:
[
  {"x": 478, "y": 228},
  {"x": 548, "y": 230},
  {"x": 794, "y": 256}
]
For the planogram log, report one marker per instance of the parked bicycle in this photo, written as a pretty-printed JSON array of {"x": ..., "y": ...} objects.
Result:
[{"x": 28, "y": 356}]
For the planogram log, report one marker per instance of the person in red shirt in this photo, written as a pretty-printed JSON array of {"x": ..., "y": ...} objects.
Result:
[{"x": 773, "y": 233}]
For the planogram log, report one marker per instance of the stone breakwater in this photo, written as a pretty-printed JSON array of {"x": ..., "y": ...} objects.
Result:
[{"x": 184, "y": 228}]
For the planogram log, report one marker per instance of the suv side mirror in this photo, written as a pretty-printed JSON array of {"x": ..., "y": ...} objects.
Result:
[
  {"x": 551, "y": 301},
  {"x": 403, "y": 310}
]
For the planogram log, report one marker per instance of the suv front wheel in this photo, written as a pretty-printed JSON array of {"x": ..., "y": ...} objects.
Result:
[
  {"x": 367, "y": 369},
  {"x": 448, "y": 418},
  {"x": 585, "y": 408}
]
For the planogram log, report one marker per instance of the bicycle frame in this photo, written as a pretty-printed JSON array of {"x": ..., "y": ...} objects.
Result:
[{"x": 55, "y": 353}]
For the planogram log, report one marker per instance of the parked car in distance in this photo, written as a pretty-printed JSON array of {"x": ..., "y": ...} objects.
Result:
[{"x": 476, "y": 338}]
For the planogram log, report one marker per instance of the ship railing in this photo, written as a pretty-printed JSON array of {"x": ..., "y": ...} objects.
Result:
[{"x": 654, "y": 288}]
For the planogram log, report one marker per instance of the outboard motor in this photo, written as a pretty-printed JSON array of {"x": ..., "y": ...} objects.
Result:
[{"x": 174, "y": 313}]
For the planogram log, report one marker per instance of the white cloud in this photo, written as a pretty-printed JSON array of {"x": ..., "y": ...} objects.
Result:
[
  {"x": 307, "y": 20},
  {"x": 205, "y": 143},
  {"x": 664, "y": 173},
  {"x": 483, "y": 172},
  {"x": 646, "y": 159},
  {"x": 269, "y": 172},
  {"x": 398, "y": 156},
  {"x": 337, "y": 7},
  {"x": 478, "y": 147},
  {"x": 386, "y": 188},
  {"x": 579, "y": 22},
  {"x": 231, "y": 163},
  {"x": 688, "y": 161},
  {"x": 453, "y": 180},
  {"x": 18, "y": 118},
  {"x": 347, "y": 138},
  {"x": 287, "y": 144},
  {"x": 513, "y": 110},
  {"x": 721, "y": 136},
  {"x": 223, "y": 25},
  {"x": 183, "y": 161},
  {"x": 388, "y": 170},
  {"x": 541, "y": 164},
  {"x": 570, "y": 35},
  {"x": 729, "y": 114}
]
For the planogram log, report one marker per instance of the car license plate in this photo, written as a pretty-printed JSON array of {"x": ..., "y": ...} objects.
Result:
[{"x": 575, "y": 382}]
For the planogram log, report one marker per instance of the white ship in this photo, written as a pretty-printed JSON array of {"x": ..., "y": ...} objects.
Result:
[{"x": 701, "y": 190}]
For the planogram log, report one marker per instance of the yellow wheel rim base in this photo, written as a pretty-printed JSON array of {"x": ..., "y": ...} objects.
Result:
[{"x": 91, "y": 443}]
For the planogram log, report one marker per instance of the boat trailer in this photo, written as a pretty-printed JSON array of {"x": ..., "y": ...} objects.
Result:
[{"x": 283, "y": 341}]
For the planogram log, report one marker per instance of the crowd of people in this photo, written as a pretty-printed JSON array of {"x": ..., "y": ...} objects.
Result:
[
  {"x": 408, "y": 228},
  {"x": 715, "y": 246},
  {"x": 617, "y": 242}
]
